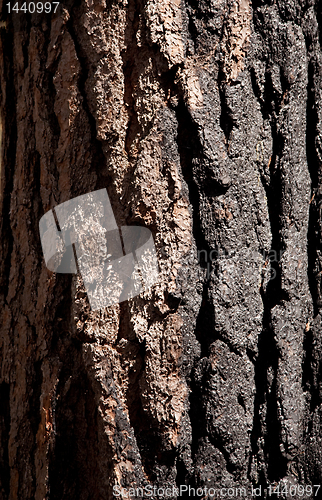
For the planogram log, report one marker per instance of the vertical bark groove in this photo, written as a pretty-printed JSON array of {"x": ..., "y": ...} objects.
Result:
[{"x": 203, "y": 120}]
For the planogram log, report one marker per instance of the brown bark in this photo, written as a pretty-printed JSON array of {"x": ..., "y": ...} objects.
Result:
[{"x": 203, "y": 121}]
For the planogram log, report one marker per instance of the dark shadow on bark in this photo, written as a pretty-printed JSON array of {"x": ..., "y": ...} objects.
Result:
[
  {"x": 74, "y": 470},
  {"x": 4, "y": 439}
]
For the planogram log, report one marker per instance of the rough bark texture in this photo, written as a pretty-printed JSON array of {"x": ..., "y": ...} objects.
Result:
[{"x": 203, "y": 119}]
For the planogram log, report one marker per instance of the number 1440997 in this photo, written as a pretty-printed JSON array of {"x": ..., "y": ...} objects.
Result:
[
  {"x": 294, "y": 490},
  {"x": 33, "y": 7}
]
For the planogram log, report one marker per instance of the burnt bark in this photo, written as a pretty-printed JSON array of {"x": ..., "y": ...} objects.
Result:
[{"x": 203, "y": 120}]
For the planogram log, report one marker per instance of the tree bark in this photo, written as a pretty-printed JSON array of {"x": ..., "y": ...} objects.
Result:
[{"x": 203, "y": 120}]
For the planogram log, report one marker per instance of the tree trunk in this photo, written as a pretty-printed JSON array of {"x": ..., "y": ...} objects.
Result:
[{"x": 203, "y": 120}]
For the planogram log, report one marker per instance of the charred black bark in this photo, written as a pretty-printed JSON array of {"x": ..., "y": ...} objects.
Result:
[{"x": 203, "y": 121}]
